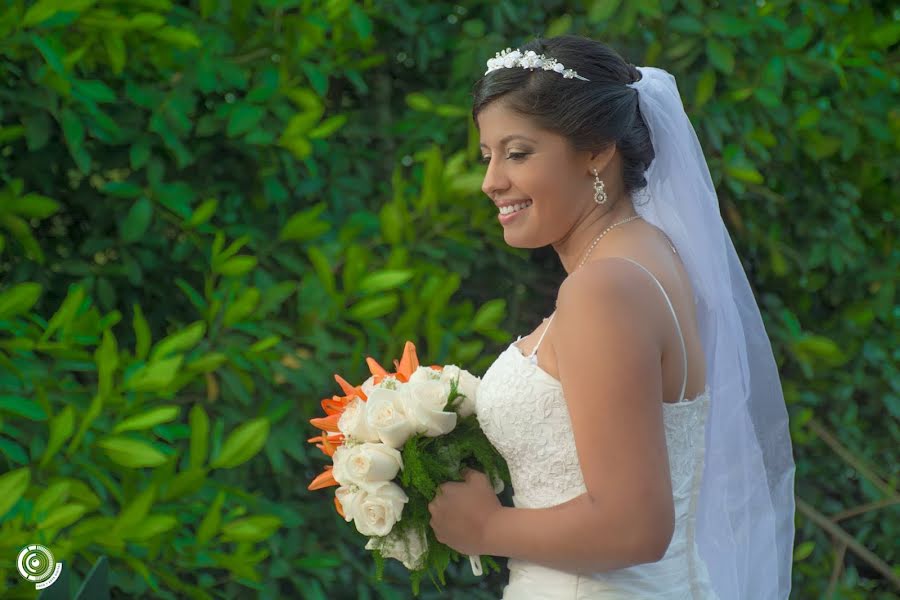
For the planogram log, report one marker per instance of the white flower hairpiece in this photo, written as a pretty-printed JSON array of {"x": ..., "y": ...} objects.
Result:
[{"x": 530, "y": 60}]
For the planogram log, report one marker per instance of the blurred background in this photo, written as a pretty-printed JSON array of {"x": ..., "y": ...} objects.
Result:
[{"x": 208, "y": 208}]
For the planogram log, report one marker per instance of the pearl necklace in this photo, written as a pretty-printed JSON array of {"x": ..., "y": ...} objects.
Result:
[{"x": 597, "y": 239}]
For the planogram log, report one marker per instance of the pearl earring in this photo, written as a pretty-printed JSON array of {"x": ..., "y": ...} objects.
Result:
[{"x": 599, "y": 192}]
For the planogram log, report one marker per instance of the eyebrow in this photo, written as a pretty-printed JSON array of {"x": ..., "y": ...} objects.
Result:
[{"x": 510, "y": 137}]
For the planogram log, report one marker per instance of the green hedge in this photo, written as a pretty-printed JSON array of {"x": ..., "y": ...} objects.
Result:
[{"x": 209, "y": 208}]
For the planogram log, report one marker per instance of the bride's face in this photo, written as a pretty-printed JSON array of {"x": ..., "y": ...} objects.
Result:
[{"x": 525, "y": 163}]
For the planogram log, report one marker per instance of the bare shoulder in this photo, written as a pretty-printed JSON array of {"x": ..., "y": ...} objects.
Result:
[{"x": 610, "y": 280}]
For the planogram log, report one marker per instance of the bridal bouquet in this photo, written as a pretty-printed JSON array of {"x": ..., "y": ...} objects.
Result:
[{"x": 392, "y": 441}]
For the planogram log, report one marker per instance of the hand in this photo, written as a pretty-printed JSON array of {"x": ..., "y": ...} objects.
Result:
[{"x": 461, "y": 510}]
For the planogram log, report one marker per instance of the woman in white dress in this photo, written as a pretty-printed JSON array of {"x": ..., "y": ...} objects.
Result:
[{"x": 643, "y": 422}]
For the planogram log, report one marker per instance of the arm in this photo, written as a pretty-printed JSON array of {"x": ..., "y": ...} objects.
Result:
[{"x": 608, "y": 351}]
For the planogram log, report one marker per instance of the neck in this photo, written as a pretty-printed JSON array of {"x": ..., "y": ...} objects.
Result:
[{"x": 573, "y": 247}]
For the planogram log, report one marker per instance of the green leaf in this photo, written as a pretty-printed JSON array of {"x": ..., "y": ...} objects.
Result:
[
  {"x": 208, "y": 362},
  {"x": 34, "y": 206},
  {"x": 386, "y": 279},
  {"x": 305, "y": 225},
  {"x": 148, "y": 419},
  {"x": 251, "y": 529},
  {"x": 419, "y": 101},
  {"x": 136, "y": 222},
  {"x": 203, "y": 213},
  {"x": 242, "y": 444},
  {"x": 132, "y": 453},
  {"x": 122, "y": 189},
  {"x": 212, "y": 520},
  {"x": 151, "y": 526},
  {"x": 186, "y": 482},
  {"x": 62, "y": 517},
  {"x": 199, "y": 424},
  {"x": 720, "y": 55},
  {"x": 107, "y": 359},
  {"x": 181, "y": 38},
  {"x": 327, "y": 127},
  {"x": 50, "y": 55},
  {"x": 22, "y": 407},
  {"x": 136, "y": 510},
  {"x": 264, "y": 344},
  {"x": 19, "y": 299},
  {"x": 12, "y": 487},
  {"x": 96, "y": 90},
  {"x": 236, "y": 266},
  {"x": 317, "y": 78},
  {"x": 361, "y": 22},
  {"x": 66, "y": 312},
  {"x": 61, "y": 427},
  {"x": 489, "y": 315},
  {"x": 371, "y": 308},
  {"x": 52, "y": 496},
  {"x": 41, "y": 11},
  {"x": 139, "y": 153},
  {"x": 155, "y": 376},
  {"x": 822, "y": 348},
  {"x": 180, "y": 341},
  {"x": 92, "y": 413},
  {"x": 706, "y": 86},
  {"x": 242, "y": 307},
  {"x": 803, "y": 550},
  {"x": 73, "y": 131},
  {"x": 243, "y": 118}
]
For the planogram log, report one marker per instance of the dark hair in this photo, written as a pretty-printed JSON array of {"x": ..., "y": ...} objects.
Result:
[{"x": 590, "y": 114}]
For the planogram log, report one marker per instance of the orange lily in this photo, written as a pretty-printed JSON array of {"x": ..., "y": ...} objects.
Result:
[
  {"x": 337, "y": 505},
  {"x": 407, "y": 365},
  {"x": 329, "y": 443},
  {"x": 323, "y": 479}
]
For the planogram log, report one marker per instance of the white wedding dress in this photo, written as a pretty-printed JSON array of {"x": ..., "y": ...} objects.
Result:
[{"x": 523, "y": 412}]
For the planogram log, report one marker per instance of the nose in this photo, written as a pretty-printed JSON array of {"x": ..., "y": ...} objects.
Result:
[{"x": 494, "y": 179}]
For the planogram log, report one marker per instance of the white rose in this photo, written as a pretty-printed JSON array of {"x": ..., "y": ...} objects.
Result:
[
  {"x": 351, "y": 498},
  {"x": 353, "y": 422},
  {"x": 382, "y": 506},
  {"x": 368, "y": 463},
  {"x": 424, "y": 403},
  {"x": 368, "y": 385},
  {"x": 387, "y": 418},
  {"x": 411, "y": 553},
  {"x": 466, "y": 385},
  {"x": 424, "y": 374}
]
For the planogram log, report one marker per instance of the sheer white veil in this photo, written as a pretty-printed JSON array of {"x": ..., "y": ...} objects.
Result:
[{"x": 745, "y": 515}]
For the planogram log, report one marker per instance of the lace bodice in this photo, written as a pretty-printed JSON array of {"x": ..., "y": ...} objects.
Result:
[{"x": 523, "y": 412}]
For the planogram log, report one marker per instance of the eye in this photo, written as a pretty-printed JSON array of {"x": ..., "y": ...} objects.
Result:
[{"x": 513, "y": 155}]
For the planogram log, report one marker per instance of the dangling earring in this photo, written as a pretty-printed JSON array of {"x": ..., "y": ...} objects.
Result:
[{"x": 599, "y": 192}]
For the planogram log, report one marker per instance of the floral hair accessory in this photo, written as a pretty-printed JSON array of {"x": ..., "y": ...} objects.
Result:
[{"x": 530, "y": 60}]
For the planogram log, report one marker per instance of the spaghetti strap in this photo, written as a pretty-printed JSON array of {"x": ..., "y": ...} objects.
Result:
[
  {"x": 534, "y": 352},
  {"x": 677, "y": 325}
]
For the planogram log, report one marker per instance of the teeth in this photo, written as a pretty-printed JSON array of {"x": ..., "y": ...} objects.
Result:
[{"x": 505, "y": 210}]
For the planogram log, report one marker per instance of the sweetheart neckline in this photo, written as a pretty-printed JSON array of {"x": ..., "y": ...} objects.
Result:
[{"x": 686, "y": 402}]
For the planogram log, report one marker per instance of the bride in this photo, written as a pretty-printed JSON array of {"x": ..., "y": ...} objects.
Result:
[{"x": 643, "y": 422}]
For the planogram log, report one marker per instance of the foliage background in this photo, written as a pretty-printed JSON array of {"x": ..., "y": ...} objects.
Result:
[{"x": 209, "y": 207}]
